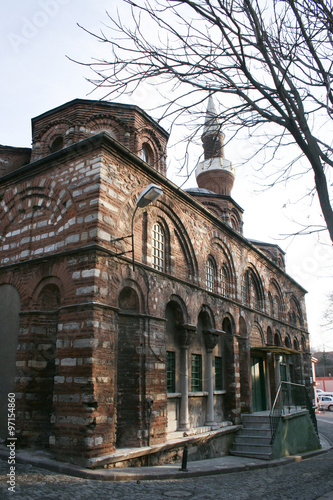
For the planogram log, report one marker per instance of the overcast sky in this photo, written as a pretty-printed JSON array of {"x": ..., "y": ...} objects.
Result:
[{"x": 36, "y": 37}]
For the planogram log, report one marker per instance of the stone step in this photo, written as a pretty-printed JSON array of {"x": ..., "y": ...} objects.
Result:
[
  {"x": 252, "y": 448},
  {"x": 257, "y": 425},
  {"x": 249, "y": 431},
  {"x": 254, "y": 439},
  {"x": 255, "y": 418},
  {"x": 256, "y": 422},
  {"x": 261, "y": 456},
  {"x": 249, "y": 440}
]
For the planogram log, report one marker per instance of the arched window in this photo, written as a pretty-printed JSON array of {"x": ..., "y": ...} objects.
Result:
[
  {"x": 144, "y": 154},
  {"x": 223, "y": 282},
  {"x": 210, "y": 275},
  {"x": 246, "y": 288},
  {"x": 295, "y": 315},
  {"x": 158, "y": 247},
  {"x": 252, "y": 291},
  {"x": 296, "y": 344},
  {"x": 57, "y": 144},
  {"x": 271, "y": 304}
]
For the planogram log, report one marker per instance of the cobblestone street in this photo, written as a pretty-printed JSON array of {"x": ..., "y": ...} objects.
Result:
[
  {"x": 307, "y": 479},
  {"x": 304, "y": 480}
]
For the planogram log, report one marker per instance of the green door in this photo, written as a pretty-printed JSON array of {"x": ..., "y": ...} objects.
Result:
[{"x": 258, "y": 384}]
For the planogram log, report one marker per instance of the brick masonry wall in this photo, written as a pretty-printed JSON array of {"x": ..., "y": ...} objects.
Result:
[
  {"x": 79, "y": 340},
  {"x": 13, "y": 158}
]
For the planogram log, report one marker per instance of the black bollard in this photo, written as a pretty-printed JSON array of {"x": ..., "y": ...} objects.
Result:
[{"x": 184, "y": 460}]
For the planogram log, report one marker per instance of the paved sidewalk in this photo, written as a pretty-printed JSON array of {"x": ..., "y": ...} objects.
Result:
[{"x": 222, "y": 465}]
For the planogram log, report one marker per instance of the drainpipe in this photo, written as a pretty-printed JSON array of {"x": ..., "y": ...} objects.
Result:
[{"x": 150, "y": 403}]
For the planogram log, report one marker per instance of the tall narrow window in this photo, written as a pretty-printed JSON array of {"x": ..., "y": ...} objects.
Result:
[
  {"x": 218, "y": 373},
  {"x": 171, "y": 371},
  {"x": 144, "y": 154},
  {"x": 209, "y": 275},
  {"x": 246, "y": 288},
  {"x": 223, "y": 288},
  {"x": 158, "y": 247},
  {"x": 271, "y": 304},
  {"x": 196, "y": 373}
]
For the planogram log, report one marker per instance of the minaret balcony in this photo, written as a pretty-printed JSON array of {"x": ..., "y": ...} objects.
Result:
[{"x": 214, "y": 164}]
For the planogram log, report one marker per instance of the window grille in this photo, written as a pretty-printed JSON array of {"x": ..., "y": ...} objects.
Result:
[
  {"x": 144, "y": 154},
  {"x": 196, "y": 372},
  {"x": 209, "y": 275},
  {"x": 218, "y": 373},
  {"x": 223, "y": 289},
  {"x": 158, "y": 247},
  {"x": 246, "y": 289},
  {"x": 171, "y": 371}
]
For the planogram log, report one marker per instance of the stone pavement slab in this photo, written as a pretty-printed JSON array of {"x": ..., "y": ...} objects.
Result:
[{"x": 225, "y": 464}]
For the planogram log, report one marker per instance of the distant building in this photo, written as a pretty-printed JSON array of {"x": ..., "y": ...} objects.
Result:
[{"x": 204, "y": 326}]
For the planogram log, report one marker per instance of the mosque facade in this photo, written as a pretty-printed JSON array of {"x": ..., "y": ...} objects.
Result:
[{"x": 132, "y": 309}]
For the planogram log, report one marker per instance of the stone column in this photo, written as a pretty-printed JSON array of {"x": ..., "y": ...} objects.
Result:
[
  {"x": 211, "y": 339},
  {"x": 186, "y": 335}
]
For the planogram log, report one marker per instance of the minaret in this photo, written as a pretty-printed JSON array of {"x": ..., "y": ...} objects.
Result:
[{"x": 215, "y": 172}]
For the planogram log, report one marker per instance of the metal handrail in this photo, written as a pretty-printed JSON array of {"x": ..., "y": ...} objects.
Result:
[{"x": 290, "y": 398}]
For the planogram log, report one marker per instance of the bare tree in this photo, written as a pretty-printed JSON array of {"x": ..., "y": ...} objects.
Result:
[
  {"x": 269, "y": 62},
  {"x": 327, "y": 323}
]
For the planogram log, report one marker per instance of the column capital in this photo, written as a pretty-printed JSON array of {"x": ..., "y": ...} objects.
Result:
[
  {"x": 186, "y": 334},
  {"x": 211, "y": 337}
]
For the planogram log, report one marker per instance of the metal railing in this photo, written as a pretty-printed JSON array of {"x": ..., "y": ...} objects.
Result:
[{"x": 289, "y": 399}]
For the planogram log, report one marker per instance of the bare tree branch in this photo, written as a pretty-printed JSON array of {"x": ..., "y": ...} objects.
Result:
[{"x": 274, "y": 62}]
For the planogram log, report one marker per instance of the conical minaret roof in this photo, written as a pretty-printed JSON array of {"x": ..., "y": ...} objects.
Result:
[
  {"x": 215, "y": 172},
  {"x": 212, "y": 125}
]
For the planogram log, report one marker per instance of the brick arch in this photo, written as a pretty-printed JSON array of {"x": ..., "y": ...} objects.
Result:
[
  {"x": 277, "y": 298},
  {"x": 295, "y": 312},
  {"x": 227, "y": 262},
  {"x": 236, "y": 220},
  {"x": 257, "y": 337},
  {"x": 137, "y": 286},
  {"x": 49, "y": 127},
  {"x": 35, "y": 193},
  {"x": 50, "y": 283},
  {"x": 58, "y": 275},
  {"x": 36, "y": 202},
  {"x": 180, "y": 305},
  {"x": 214, "y": 207},
  {"x": 269, "y": 337},
  {"x": 208, "y": 316},
  {"x": 14, "y": 279},
  {"x": 287, "y": 341},
  {"x": 148, "y": 135},
  {"x": 182, "y": 236},
  {"x": 43, "y": 141},
  {"x": 253, "y": 285},
  {"x": 296, "y": 343},
  {"x": 166, "y": 213},
  {"x": 229, "y": 320},
  {"x": 101, "y": 123},
  {"x": 277, "y": 338}
]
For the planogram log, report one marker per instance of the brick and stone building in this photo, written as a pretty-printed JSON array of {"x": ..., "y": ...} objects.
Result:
[{"x": 193, "y": 316}]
